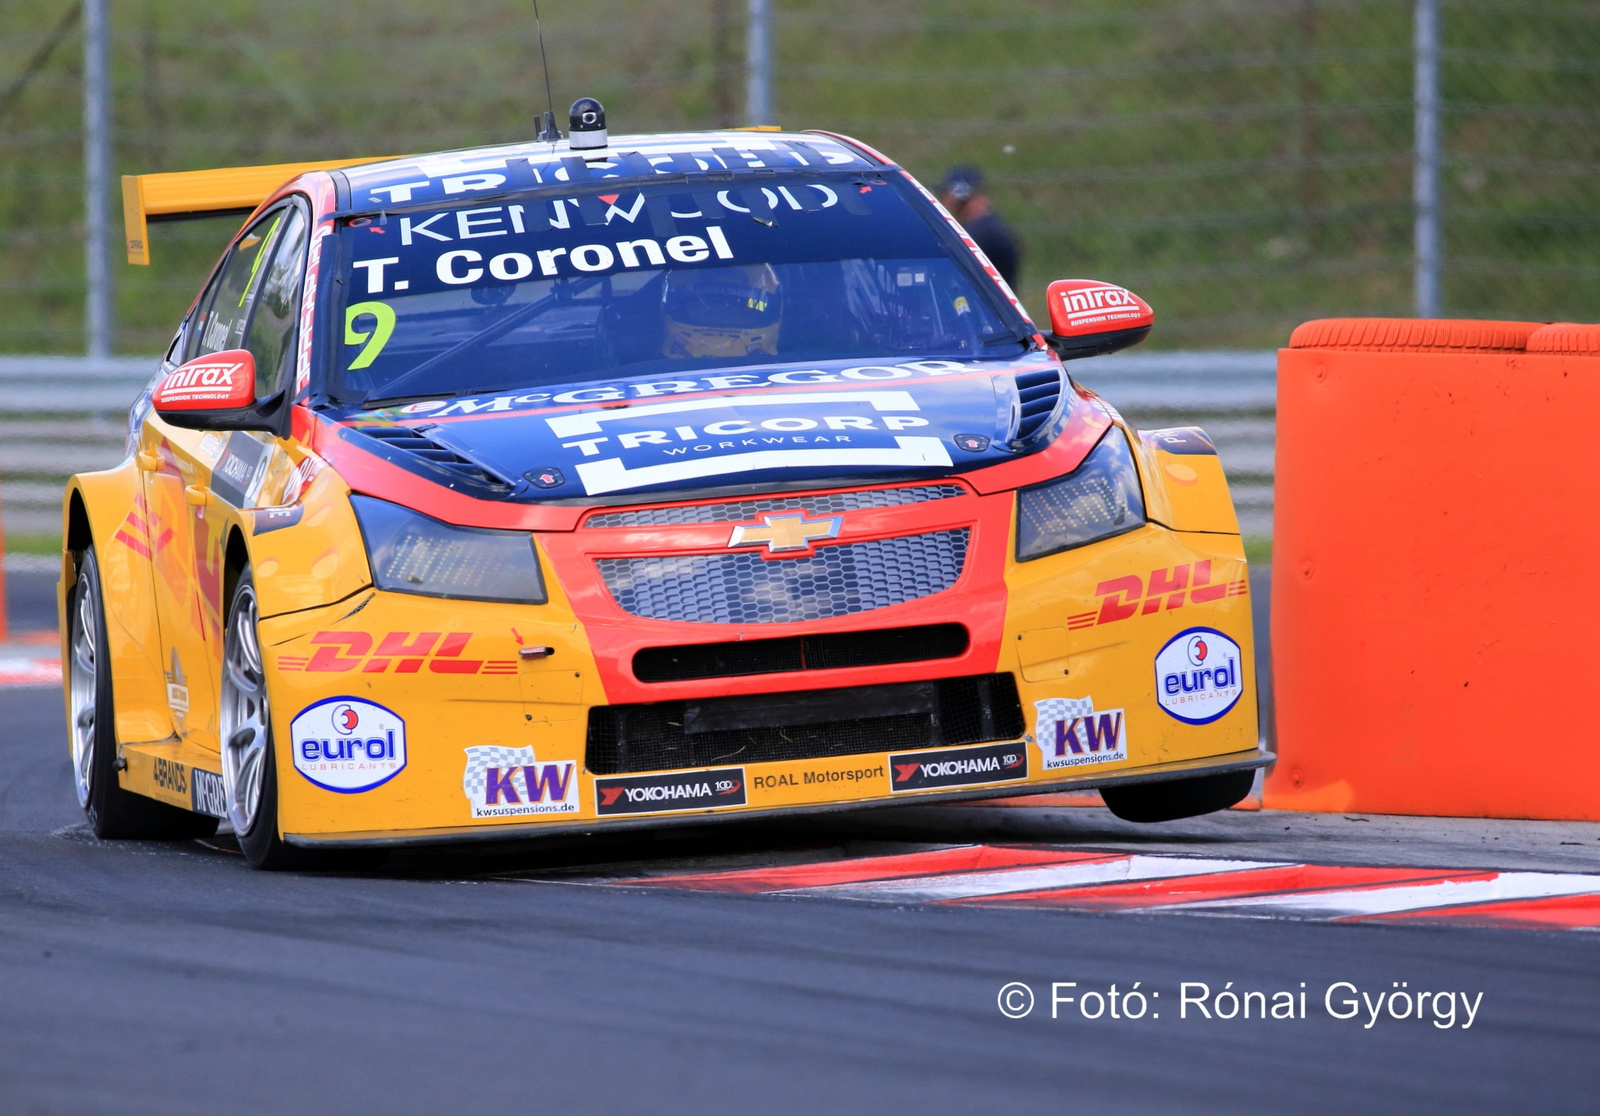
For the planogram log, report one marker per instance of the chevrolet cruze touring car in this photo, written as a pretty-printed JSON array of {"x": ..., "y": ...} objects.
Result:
[{"x": 610, "y": 482}]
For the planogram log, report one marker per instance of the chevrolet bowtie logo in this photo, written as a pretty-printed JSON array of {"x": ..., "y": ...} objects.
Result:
[{"x": 787, "y": 532}]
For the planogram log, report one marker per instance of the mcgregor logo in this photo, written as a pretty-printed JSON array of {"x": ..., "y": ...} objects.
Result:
[
  {"x": 403, "y": 652},
  {"x": 1124, "y": 597},
  {"x": 787, "y": 532}
]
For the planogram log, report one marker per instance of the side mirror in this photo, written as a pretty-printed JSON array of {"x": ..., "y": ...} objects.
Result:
[
  {"x": 1089, "y": 318},
  {"x": 217, "y": 392}
]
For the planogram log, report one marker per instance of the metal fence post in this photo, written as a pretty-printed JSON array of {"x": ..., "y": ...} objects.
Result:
[
  {"x": 1425, "y": 173},
  {"x": 758, "y": 64},
  {"x": 97, "y": 176}
]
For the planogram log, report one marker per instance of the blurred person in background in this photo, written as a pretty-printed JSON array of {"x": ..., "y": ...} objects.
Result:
[{"x": 962, "y": 194}]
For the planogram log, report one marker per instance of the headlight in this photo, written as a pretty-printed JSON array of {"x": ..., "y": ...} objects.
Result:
[
  {"x": 412, "y": 553},
  {"x": 1098, "y": 499}
]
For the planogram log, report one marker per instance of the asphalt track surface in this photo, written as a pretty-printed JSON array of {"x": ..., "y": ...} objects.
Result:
[{"x": 169, "y": 978}]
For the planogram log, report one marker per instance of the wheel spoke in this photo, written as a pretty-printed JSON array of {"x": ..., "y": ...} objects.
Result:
[
  {"x": 82, "y": 677},
  {"x": 244, "y": 682},
  {"x": 245, "y": 724}
]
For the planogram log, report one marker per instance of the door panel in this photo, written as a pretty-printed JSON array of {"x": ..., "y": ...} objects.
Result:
[{"x": 202, "y": 473}]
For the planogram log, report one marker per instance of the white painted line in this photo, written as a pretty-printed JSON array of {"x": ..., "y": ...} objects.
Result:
[
  {"x": 1356, "y": 902},
  {"x": 967, "y": 885},
  {"x": 33, "y": 671}
]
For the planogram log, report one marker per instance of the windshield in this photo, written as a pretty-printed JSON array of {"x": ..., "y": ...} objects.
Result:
[{"x": 651, "y": 282}]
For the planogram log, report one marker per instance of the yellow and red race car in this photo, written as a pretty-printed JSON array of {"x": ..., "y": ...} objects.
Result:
[{"x": 615, "y": 482}]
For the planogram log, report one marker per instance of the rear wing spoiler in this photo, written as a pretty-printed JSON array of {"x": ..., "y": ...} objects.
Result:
[{"x": 207, "y": 193}]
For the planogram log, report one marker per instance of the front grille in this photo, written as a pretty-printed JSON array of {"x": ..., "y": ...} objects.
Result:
[
  {"x": 745, "y": 588},
  {"x": 814, "y": 724},
  {"x": 830, "y": 651},
  {"x": 743, "y": 511}
]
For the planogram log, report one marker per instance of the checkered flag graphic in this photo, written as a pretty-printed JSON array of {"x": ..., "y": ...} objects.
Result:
[
  {"x": 1052, "y": 710},
  {"x": 479, "y": 759}
]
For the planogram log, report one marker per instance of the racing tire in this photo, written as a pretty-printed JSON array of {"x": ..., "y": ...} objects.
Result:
[
  {"x": 249, "y": 762},
  {"x": 1178, "y": 798},
  {"x": 113, "y": 813}
]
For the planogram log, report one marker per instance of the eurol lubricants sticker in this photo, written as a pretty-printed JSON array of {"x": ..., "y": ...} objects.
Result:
[
  {"x": 1197, "y": 675},
  {"x": 348, "y": 745}
]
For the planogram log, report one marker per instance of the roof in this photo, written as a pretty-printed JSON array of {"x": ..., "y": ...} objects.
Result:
[
  {"x": 477, "y": 172},
  {"x": 449, "y": 175}
]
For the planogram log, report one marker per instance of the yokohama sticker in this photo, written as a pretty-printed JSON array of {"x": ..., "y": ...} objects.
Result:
[
  {"x": 1072, "y": 733},
  {"x": 348, "y": 745},
  {"x": 958, "y": 767},
  {"x": 509, "y": 782},
  {"x": 1197, "y": 675},
  {"x": 680, "y": 790}
]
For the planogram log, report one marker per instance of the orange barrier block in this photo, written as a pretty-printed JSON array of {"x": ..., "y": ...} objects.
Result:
[{"x": 1433, "y": 585}]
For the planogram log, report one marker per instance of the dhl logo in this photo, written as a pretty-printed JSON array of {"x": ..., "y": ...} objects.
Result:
[
  {"x": 338, "y": 652},
  {"x": 1129, "y": 596}
]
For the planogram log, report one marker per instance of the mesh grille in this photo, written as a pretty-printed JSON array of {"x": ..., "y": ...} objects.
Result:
[
  {"x": 742, "y": 511},
  {"x": 745, "y": 588},
  {"x": 829, "y": 651},
  {"x": 765, "y": 728}
]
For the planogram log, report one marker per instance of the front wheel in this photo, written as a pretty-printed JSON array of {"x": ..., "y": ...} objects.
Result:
[
  {"x": 1178, "y": 798},
  {"x": 249, "y": 770},
  {"x": 112, "y": 811}
]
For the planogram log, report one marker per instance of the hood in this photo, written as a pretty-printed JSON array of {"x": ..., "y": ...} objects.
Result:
[{"x": 770, "y": 426}]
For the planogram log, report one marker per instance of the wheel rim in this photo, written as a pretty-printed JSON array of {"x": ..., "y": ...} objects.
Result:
[
  {"x": 83, "y": 679},
  {"x": 244, "y": 715}
]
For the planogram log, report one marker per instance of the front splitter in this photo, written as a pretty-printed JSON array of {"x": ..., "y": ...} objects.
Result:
[{"x": 1155, "y": 773}]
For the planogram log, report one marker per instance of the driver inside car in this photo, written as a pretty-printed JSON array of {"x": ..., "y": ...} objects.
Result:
[{"x": 722, "y": 312}]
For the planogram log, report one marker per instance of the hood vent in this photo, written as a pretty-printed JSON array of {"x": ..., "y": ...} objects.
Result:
[
  {"x": 1038, "y": 394},
  {"x": 417, "y": 446}
]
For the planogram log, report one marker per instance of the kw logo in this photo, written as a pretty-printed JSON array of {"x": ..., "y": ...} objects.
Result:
[
  {"x": 1089, "y": 734},
  {"x": 339, "y": 652},
  {"x": 1129, "y": 596},
  {"x": 1073, "y": 733},
  {"x": 787, "y": 532}
]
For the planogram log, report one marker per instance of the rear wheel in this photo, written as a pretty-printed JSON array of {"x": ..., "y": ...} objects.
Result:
[
  {"x": 112, "y": 811},
  {"x": 249, "y": 768},
  {"x": 1178, "y": 798}
]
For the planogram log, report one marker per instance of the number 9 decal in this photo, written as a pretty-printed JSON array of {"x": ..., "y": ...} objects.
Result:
[{"x": 376, "y": 338}]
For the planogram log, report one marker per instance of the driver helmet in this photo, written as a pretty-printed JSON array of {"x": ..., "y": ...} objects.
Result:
[{"x": 722, "y": 311}]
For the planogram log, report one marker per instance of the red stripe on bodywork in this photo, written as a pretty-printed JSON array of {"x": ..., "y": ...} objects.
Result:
[
  {"x": 132, "y": 544},
  {"x": 1554, "y": 912},
  {"x": 967, "y": 858},
  {"x": 1216, "y": 885}
]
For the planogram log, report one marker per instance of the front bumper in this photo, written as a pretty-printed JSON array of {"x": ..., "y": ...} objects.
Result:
[{"x": 497, "y": 740}]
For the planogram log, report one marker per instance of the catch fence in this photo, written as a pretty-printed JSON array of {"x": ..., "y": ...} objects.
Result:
[{"x": 1244, "y": 164}]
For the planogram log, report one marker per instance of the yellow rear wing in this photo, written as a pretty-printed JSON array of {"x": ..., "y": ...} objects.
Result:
[{"x": 206, "y": 193}]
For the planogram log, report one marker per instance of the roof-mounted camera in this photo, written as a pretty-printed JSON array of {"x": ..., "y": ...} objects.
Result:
[{"x": 586, "y": 124}]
